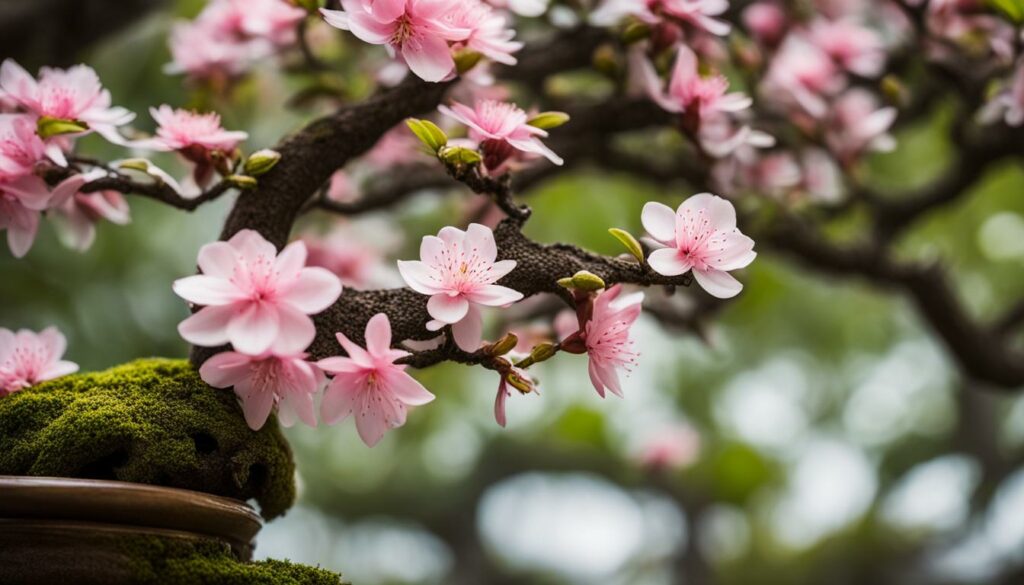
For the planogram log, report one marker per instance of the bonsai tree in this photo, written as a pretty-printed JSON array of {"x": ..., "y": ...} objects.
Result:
[{"x": 763, "y": 116}]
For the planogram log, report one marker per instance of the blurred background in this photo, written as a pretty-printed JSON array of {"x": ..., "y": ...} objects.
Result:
[{"x": 812, "y": 431}]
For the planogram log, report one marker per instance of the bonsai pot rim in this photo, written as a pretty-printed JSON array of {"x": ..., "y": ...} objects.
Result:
[{"x": 132, "y": 506}]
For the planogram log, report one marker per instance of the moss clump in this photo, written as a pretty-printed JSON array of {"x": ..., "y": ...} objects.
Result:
[
  {"x": 173, "y": 562},
  {"x": 149, "y": 421}
]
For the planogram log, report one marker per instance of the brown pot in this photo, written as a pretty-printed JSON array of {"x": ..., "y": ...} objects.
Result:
[{"x": 60, "y": 530}]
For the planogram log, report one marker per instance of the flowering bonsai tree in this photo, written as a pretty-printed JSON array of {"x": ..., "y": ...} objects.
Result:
[{"x": 764, "y": 113}]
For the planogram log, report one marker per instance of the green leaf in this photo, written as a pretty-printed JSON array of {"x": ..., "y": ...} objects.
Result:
[
  {"x": 630, "y": 243},
  {"x": 1011, "y": 9},
  {"x": 48, "y": 127},
  {"x": 241, "y": 181},
  {"x": 428, "y": 133},
  {"x": 460, "y": 155},
  {"x": 548, "y": 120}
]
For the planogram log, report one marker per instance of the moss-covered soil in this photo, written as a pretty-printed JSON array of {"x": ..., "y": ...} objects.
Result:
[{"x": 150, "y": 421}]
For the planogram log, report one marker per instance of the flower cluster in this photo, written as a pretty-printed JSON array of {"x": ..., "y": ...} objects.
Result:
[
  {"x": 229, "y": 36},
  {"x": 28, "y": 358},
  {"x": 502, "y": 132},
  {"x": 423, "y": 34}
]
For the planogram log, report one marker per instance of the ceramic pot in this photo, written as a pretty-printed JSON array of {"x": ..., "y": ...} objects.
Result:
[{"x": 61, "y": 530}]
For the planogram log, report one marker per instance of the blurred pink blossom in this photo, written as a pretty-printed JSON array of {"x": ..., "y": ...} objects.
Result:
[
  {"x": 853, "y": 46},
  {"x": 671, "y": 448},
  {"x": 857, "y": 124},
  {"x": 801, "y": 74},
  {"x": 766, "y": 22},
  {"x": 261, "y": 383},
  {"x": 28, "y": 358},
  {"x": 345, "y": 254},
  {"x": 184, "y": 130},
  {"x": 489, "y": 34},
  {"x": 254, "y": 298},
  {"x": 81, "y": 212},
  {"x": 370, "y": 385},
  {"x": 689, "y": 92}
]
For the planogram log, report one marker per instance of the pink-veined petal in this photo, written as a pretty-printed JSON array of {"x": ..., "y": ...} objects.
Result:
[
  {"x": 225, "y": 369},
  {"x": 428, "y": 57},
  {"x": 378, "y": 335},
  {"x": 420, "y": 276},
  {"x": 339, "y": 399},
  {"x": 407, "y": 389}
]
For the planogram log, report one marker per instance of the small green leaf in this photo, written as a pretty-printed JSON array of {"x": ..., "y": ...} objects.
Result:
[
  {"x": 635, "y": 31},
  {"x": 428, "y": 133},
  {"x": 587, "y": 281},
  {"x": 48, "y": 127},
  {"x": 1011, "y": 9},
  {"x": 548, "y": 120},
  {"x": 135, "y": 164},
  {"x": 261, "y": 161},
  {"x": 630, "y": 243},
  {"x": 459, "y": 155},
  {"x": 466, "y": 59}
]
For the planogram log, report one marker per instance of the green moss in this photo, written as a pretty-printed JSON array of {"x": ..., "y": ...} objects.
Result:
[
  {"x": 175, "y": 562},
  {"x": 149, "y": 421}
]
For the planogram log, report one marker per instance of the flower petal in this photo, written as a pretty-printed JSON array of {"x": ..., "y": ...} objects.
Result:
[
  {"x": 468, "y": 333},
  {"x": 668, "y": 262},
  {"x": 254, "y": 330},
  {"x": 218, "y": 259},
  {"x": 313, "y": 290},
  {"x": 447, "y": 309},
  {"x": 295, "y": 331},
  {"x": 420, "y": 276},
  {"x": 225, "y": 369},
  {"x": 378, "y": 335},
  {"x": 207, "y": 290},
  {"x": 494, "y": 295},
  {"x": 718, "y": 283},
  {"x": 208, "y": 327},
  {"x": 660, "y": 222},
  {"x": 428, "y": 57}
]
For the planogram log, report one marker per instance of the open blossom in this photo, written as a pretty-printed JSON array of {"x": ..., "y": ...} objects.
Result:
[
  {"x": 458, "y": 270},
  {"x": 801, "y": 74},
  {"x": 183, "y": 130},
  {"x": 80, "y": 213},
  {"x": 689, "y": 92},
  {"x": 414, "y": 29},
  {"x": 273, "y": 21},
  {"x": 369, "y": 385},
  {"x": 22, "y": 200},
  {"x": 701, "y": 236},
  {"x": 766, "y": 21},
  {"x": 489, "y": 32},
  {"x": 699, "y": 13},
  {"x": 857, "y": 124},
  {"x": 853, "y": 46},
  {"x": 28, "y": 358},
  {"x": 500, "y": 127},
  {"x": 264, "y": 382},
  {"x": 65, "y": 94},
  {"x": 254, "y": 298},
  {"x": 201, "y": 52},
  {"x": 607, "y": 339}
]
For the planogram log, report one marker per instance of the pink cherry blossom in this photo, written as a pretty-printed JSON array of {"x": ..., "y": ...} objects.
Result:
[
  {"x": 202, "y": 52},
  {"x": 179, "y": 129},
  {"x": 28, "y": 358},
  {"x": 606, "y": 335},
  {"x": 857, "y": 124},
  {"x": 414, "y": 29},
  {"x": 65, "y": 94},
  {"x": 766, "y": 22},
  {"x": 495, "y": 125},
  {"x": 21, "y": 202},
  {"x": 689, "y": 92},
  {"x": 801, "y": 74},
  {"x": 20, "y": 146},
  {"x": 271, "y": 20},
  {"x": 853, "y": 46},
  {"x": 370, "y": 385},
  {"x": 490, "y": 34},
  {"x": 458, "y": 270},
  {"x": 254, "y": 298},
  {"x": 701, "y": 236},
  {"x": 287, "y": 382},
  {"x": 80, "y": 213}
]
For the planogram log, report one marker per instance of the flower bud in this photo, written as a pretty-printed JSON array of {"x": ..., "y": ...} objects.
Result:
[
  {"x": 459, "y": 155},
  {"x": 548, "y": 120},
  {"x": 241, "y": 181},
  {"x": 543, "y": 352},
  {"x": 261, "y": 161},
  {"x": 135, "y": 164},
  {"x": 466, "y": 59},
  {"x": 587, "y": 281},
  {"x": 429, "y": 134},
  {"x": 503, "y": 345},
  {"x": 48, "y": 127},
  {"x": 634, "y": 32},
  {"x": 606, "y": 60}
]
